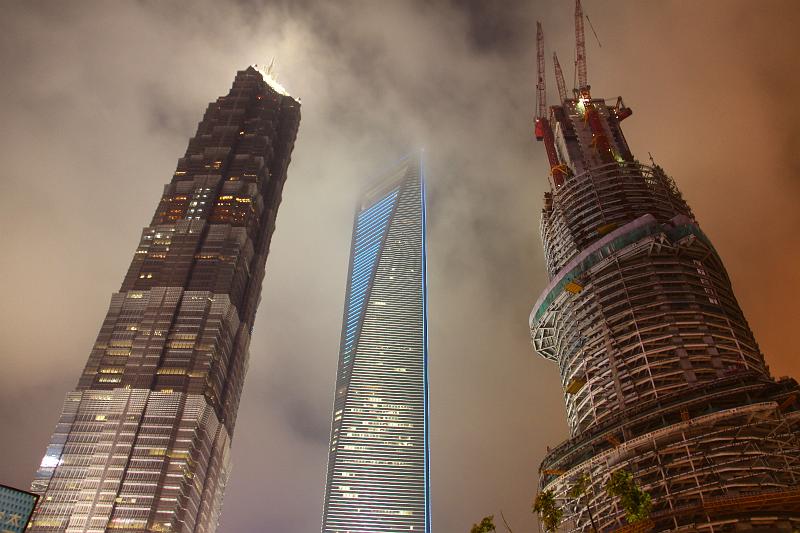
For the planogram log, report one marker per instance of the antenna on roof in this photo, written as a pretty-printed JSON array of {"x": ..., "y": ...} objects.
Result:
[{"x": 270, "y": 75}]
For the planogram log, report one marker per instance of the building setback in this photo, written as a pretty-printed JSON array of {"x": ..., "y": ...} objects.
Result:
[
  {"x": 143, "y": 443},
  {"x": 661, "y": 373},
  {"x": 378, "y": 457}
]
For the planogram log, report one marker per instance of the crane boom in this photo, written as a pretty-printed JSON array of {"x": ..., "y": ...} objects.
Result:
[
  {"x": 562, "y": 87},
  {"x": 541, "y": 95},
  {"x": 542, "y": 128},
  {"x": 580, "y": 46}
]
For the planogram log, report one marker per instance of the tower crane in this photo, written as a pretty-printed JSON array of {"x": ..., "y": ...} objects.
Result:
[
  {"x": 580, "y": 47},
  {"x": 542, "y": 129},
  {"x": 541, "y": 93},
  {"x": 586, "y": 105}
]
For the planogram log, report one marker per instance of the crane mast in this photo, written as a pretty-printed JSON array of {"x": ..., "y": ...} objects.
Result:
[
  {"x": 580, "y": 47},
  {"x": 591, "y": 113}
]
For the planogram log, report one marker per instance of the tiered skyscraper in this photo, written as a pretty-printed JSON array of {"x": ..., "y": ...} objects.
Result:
[
  {"x": 143, "y": 443},
  {"x": 378, "y": 458},
  {"x": 661, "y": 373}
]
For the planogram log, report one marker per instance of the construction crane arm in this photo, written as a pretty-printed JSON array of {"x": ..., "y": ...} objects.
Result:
[
  {"x": 541, "y": 95},
  {"x": 562, "y": 87}
]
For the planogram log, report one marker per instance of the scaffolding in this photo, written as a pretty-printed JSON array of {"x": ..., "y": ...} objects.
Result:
[
  {"x": 660, "y": 371},
  {"x": 698, "y": 471},
  {"x": 596, "y": 202}
]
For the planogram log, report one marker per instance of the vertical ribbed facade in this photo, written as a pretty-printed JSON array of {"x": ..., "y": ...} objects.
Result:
[
  {"x": 143, "y": 443},
  {"x": 661, "y": 373},
  {"x": 377, "y": 477}
]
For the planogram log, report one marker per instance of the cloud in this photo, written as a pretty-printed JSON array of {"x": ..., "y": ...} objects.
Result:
[{"x": 99, "y": 100}]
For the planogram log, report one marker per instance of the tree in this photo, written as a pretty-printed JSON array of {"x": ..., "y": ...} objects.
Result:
[
  {"x": 550, "y": 514},
  {"x": 634, "y": 501},
  {"x": 581, "y": 490},
  {"x": 486, "y": 525}
]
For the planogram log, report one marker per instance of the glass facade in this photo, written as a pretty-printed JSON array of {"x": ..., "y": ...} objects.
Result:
[
  {"x": 143, "y": 443},
  {"x": 16, "y": 507},
  {"x": 378, "y": 475}
]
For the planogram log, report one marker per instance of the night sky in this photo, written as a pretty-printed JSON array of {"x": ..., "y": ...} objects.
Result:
[{"x": 99, "y": 100}]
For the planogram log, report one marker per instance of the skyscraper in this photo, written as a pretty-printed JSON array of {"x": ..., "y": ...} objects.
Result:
[
  {"x": 378, "y": 457},
  {"x": 143, "y": 443},
  {"x": 661, "y": 373}
]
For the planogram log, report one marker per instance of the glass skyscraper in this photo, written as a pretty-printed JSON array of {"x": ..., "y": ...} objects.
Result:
[
  {"x": 143, "y": 443},
  {"x": 378, "y": 471}
]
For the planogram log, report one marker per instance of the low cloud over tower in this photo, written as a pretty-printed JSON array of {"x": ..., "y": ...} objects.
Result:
[{"x": 378, "y": 457}]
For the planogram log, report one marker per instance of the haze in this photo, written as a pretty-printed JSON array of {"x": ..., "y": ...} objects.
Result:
[{"x": 99, "y": 100}]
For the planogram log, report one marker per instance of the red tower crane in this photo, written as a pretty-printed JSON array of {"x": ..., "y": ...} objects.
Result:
[{"x": 542, "y": 128}]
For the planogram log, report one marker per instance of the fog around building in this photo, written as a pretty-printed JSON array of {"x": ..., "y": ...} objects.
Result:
[{"x": 99, "y": 100}]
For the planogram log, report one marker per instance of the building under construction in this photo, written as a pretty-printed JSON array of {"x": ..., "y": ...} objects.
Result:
[{"x": 662, "y": 375}]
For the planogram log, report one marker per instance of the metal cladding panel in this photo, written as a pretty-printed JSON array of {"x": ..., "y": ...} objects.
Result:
[
  {"x": 143, "y": 443},
  {"x": 378, "y": 459}
]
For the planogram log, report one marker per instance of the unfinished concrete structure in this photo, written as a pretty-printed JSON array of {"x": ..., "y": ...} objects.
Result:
[{"x": 662, "y": 375}]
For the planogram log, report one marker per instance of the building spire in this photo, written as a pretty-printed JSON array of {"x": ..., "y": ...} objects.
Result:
[{"x": 270, "y": 75}]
